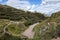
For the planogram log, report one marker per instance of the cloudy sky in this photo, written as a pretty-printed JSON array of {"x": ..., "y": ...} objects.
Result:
[{"x": 44, "y": 6}]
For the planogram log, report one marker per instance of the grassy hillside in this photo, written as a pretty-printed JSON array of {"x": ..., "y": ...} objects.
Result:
[
  {"x": 48, "y": 29},
  {"x": 13, "y": 22},
  {"x": 7, "y": 12}
]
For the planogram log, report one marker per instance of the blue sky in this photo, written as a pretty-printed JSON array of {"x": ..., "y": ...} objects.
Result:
[
  {"x": 43, "y": 6},
  {"x": 36, "y": 2},
  {"x": 3, "y": 1}
]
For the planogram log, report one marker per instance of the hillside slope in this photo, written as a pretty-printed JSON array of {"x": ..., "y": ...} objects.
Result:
[
  {"x": 13, "y": 22},
  {"x": 7, "y": 12},
  {"x": 48, "y": 29}
]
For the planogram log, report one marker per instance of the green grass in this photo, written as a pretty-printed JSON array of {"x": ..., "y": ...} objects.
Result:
[{"x": 16, "y": 29}]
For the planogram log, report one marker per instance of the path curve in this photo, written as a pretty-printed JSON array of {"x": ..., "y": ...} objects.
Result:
[
  {"x": 8, "y": 25},
  {"x": 29, "y": 33}
]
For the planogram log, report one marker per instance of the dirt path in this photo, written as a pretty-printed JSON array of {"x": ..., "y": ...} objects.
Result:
[
  {"x": 56, "y": 39},
  {"x": 29, "y": 33},
  {"x": 8, "y": 25}
]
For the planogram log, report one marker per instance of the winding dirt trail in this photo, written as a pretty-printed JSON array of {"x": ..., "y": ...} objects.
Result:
[
  {"x": 8, "y": 25},
  {"x": 29, "y": 33}
]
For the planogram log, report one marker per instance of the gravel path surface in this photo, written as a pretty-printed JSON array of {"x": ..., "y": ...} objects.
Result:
[
  {"x": 29, "y": 33},
  {"x": 56, "y": 39}
]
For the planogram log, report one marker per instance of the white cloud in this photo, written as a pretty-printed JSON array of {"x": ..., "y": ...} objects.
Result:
[
  {"x": 32, "y": 8},
  {"x": 47, "y": 6},
  {"x": 19, "y": 4}
]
